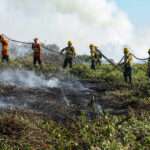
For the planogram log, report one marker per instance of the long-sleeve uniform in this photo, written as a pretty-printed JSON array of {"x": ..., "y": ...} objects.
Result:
[
  {"x": 98, "y": 57},
  {"x": 69, "y": 55},
  {"x": 148, "y": 69},
  {"x": 5, "y": 50},
  {"x": 36, "y": 53},
  {"x": 93, "y": 57},
  {"x": 128, "y": 67}
]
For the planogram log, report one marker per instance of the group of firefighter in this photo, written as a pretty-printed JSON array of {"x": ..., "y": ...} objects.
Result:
[{"x": 70, "y": 54}]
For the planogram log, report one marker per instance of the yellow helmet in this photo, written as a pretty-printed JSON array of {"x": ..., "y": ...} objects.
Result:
[
  {"x": 91, "y": 45},
  {"x": 69, "y": 43},
  {"x": 126, "y": 50}
]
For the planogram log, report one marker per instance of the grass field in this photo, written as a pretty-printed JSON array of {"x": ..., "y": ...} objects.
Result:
[{"x": 131, "y": 131}]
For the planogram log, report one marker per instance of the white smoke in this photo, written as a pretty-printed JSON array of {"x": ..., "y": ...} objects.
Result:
[
  {"x": 98, "y": 21},
  {"x": 27, "y": 79},
  {"x": 56, "y": 21},
  {"x": 19, "y": 50},
  {"x": 3, "y": 105},
  {"x": 140, "y": 42}
]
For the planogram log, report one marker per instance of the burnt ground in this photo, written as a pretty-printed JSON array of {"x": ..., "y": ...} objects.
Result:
[
  {"x": 48, "y": 101},
  {"x": 61, "y": 102},
  {"x": 117, "y": 99}
]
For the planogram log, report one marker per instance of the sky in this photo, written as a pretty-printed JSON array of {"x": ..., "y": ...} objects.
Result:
[
  {"x": 109, "y": 24},
  {"x": 137, "y": 10}
]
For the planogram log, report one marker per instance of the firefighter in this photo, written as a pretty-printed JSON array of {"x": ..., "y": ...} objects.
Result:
[
  {"x": 148, "y": 64},
  {"x": 93, "y": 56},
  {"x": 98, "y": 56},
  {"x": 5, "y": 49},
  {"x": 127, "y": 66},
  {"x": 69, "y": 55},
  {"x": 36, "y": 52}
]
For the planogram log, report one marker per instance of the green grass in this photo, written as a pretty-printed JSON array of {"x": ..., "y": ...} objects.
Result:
[
  {"x": 27, "y": 64},
  {"x": 108, "y": 73},
  {"x": 26, "y": 131},
  {"x": 107, "y": 132}
]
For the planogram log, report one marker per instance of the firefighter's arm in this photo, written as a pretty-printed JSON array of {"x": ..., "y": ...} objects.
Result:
[
  {"x": 62, "y": 51},
  {"x": 5, "y": 42},
  {"x": 92, "y": 54},
  {"x": 129, "y": 59},
  {"x": 32, "y": 46},
  {"x": 40, "y": 47}
]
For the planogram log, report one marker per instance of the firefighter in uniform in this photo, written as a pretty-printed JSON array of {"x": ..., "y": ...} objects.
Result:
[
  {"x": 127, "y": 66},
  {"x": 69, "y": 55},
  {"x": 148, "y": 64},
  {"x": 36, "y": 52},
  {"x": 93, "y": 56},
  {"x": 5, "y": 49},
  {"x": 98, "y": 56}
]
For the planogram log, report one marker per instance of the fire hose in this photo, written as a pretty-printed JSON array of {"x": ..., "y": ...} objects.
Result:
[
  {"x": 113, "y": 64},
  {"x": 28, "y": 43},
  {"x": 120, "y": 60},
  {"x": 144, "y": 59},
  {"x": 107, "y": 59},
  {"x": 16, "y": 41},
  {"x": 117, "y": 65}
]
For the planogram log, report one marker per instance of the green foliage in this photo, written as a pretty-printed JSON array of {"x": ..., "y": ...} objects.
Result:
[
  {"x": 106, "y": 70},
  {"x": 45, "y": 69},
  {"x": 107, "y": 132},
  {"x": 103, "y": 132},
  {"x": 103, "y": 72}
]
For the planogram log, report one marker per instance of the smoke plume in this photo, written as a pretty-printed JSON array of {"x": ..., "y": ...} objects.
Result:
[
  {"x": 56, "y": 21},
  {"x": 27, "y": 79}
]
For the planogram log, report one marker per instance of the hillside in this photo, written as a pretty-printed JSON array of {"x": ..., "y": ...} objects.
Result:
[{"x": 51, "y": 108}]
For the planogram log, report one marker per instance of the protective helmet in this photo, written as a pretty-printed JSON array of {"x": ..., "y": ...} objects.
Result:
[
  {"x": 69, "y": 43},
  {"x": 126, "y": 50},
  {"x": 91, "y": 45},
  {"x": 36, "y": 39}
]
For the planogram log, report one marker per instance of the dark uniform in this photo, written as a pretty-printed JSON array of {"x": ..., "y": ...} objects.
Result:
[
  {"x": 36, "y": 53},
  {"x": 69, "y": 55},
  {"x": 98, "y": 57},
  {"x": 148, "y": 69},
  {"x": 127, "y": 66},
  {"x": 5, "y": 50},
  {"x": 93, "y": 56}
]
